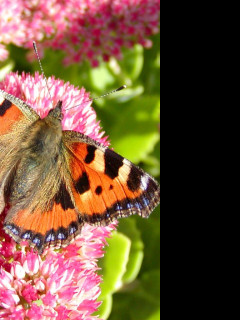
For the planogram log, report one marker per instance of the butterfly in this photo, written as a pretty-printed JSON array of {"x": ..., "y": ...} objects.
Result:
[{"x": 54, "y": 181}]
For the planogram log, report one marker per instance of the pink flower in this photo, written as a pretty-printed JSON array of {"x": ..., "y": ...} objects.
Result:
[
  {"x": 3, "y": 53},
  {"x": 59, "y": 284},
  {"x": 84, "y": 30}
]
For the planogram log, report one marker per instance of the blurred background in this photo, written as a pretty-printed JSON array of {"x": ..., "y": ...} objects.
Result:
[{"x": 131, "y": 119}]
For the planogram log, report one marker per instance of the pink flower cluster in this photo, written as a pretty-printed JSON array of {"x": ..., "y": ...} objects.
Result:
[
  {"x": 61, "y": 284},
  {"x": 57, "y": 285},
  {"x": 84, "y": 30}
]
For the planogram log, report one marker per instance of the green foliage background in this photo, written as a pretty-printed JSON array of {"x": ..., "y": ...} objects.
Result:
[{"x": 131, "y": 266}]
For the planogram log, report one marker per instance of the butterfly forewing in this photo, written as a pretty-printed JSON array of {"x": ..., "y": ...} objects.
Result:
[{"x": 105, "y": 185}]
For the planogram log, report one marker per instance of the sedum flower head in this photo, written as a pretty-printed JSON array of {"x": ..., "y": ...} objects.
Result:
[
  {"x": 84, "y": 30},
  {"x": 57, "y": 285},
  {"x": 60, "y": 284}
]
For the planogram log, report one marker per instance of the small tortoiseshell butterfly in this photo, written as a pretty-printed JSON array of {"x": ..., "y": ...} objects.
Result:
[{"x": 53, "y": 181}]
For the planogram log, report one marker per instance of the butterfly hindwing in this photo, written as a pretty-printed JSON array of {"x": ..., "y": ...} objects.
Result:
[
  {"x": 106, "y": 185},
  {"x": 55, "y": 226}
]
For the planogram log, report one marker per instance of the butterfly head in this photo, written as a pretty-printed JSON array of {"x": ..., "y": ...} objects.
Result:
[{"x": 56, "y": 113}]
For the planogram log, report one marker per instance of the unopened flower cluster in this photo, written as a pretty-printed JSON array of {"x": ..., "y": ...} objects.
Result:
[
  {"x": 61, "y": 284},
  {"x": 84, "y": 30}
]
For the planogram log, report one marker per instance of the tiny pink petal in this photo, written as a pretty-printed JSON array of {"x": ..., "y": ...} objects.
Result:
[
  {"x": 18, "y": 271},
  {"x": 50, "y": 300},
  {"x": 8, "y": 299},
  {"x": 40, "y": 284},
  {"x": 35, "y": 313},
  {"x": 32, "y": 263}
]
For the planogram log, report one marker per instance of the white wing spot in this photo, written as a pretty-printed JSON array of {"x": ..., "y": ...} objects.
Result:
[
  {"x": 1, "y": 100},
  {"x": 144, "y": 182},
  {"x": 127, "y": 162}
]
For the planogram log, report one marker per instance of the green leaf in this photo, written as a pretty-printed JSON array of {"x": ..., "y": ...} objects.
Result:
[
  {"x": 155, "y": 315},
  {"x": 19, "y": 56},
  {"x": 101, "y": 78},
  {"x": 136, "y": 130},
  {"x": 114, "y": 263},
  {"x": 106, "y": 307},
  {"x": 5, "y": 69},
  {"x": 150, "y": 282},
  {"x": 142, "y": 303},
  {"x": 132, "y": 62},
  {"x": 129, "y": 228},
  {"x": 152, "y": 162},
  {"x": 150, "y": 75},
  {"x": 150, "y": 232}
]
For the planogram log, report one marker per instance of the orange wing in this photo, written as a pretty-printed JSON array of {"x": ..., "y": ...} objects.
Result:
[
  {"x": 13, "y": 110},
  {"x": 105, "y": 185},
  {"x": 9, "y": 114},
  {"x": 57, "y": 226}
]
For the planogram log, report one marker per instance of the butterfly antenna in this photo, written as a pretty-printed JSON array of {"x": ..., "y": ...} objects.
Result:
[
  {"x": 103, "y": 96},
  {"x": 41, "y": 68},
  {"x": 107, "y": 94}
]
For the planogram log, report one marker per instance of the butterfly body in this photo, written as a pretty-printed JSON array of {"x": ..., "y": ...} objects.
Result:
[{"x": 53, "y": 181}]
